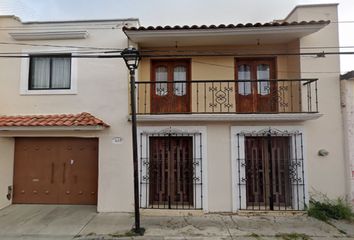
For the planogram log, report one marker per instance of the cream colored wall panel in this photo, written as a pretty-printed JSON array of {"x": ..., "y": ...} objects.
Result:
[
  {"x": 102, "y": 90},
  {"x": 6, "y": 169},
  {"x": 219, "y": 168},
  {"x": 326, "y": 174}
]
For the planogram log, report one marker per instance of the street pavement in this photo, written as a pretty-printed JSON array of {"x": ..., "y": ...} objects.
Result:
[{"x": 63, "y": 222}]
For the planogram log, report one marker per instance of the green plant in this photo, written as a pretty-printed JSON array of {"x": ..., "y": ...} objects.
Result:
[
  {"x": 130, "y": 233},
  {"x": 327, "y": 209},
  {"x": 255, "y": 235}
]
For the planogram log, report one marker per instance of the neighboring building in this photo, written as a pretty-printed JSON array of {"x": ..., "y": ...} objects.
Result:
[
  {"x": 229, "y": 114},
  {"x": 18, "y": 8},
  {"x": 229, "y": 117},
  {"x": 347, "y": 91},
  {"x": 73, "y": 157}
]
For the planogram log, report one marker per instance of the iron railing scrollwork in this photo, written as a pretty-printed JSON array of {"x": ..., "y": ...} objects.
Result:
[{"x": 221, "y": 96}]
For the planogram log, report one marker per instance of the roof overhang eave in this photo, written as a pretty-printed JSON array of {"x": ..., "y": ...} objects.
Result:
[
  {"x": 52, "y": 128},
  {"x": 296, "y": 31}
]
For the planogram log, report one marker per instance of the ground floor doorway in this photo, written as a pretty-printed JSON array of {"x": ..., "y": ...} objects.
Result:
[
  {"x": 55, "y": 170},
  {"x": 267, "y": 172},
  {"x": 171, "y": 171},
  {"x": 170, "y": 166},
  {"x": 269, "y": 169}
]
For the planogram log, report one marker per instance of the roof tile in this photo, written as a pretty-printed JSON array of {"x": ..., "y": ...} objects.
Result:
[
  {"x": 57, "y": 120},
  {"x": 221, "y": 26}
]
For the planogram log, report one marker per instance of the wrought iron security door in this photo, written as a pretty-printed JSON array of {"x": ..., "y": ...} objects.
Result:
[
  {"x": 270, "y": 170},
  {"x": 170, "y": 171},
  {"x": 266, "y": 171}
]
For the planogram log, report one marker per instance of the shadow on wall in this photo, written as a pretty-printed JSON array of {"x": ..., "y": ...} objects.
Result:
[{"x": 352, "y": 170}]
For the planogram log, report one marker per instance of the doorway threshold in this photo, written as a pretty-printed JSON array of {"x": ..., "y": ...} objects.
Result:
[{"x": 171, "y": 212}]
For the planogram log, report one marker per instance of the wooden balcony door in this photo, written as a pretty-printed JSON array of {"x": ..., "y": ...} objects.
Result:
[
  {"x": 267, "y": 172},
  {"x": 170, "y": 92},
  {"x": 171, "y": 172},
  {"x": 254, "y": 94}
]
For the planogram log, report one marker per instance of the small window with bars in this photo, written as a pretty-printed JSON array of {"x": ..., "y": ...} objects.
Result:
[{"x": 50, "y": 72}]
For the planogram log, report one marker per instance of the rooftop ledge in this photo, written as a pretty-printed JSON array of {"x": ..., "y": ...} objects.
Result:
[
  {"x": 49, "y": 35},
  {"x": 227, "y": 117}
]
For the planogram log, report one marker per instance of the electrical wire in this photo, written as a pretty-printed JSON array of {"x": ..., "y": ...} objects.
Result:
[
  {"x": 118, "y": 50},
  {"x": 218, "y": 54},
  {"x": 193, "y": 61},
  {"x": 85, "y": 49},
  {"x": 171, "y": 53},
  {"x": 248, "y": 49},
  {"x": 72, "y": 56},
  {"x": 235, "y": 54},
  {"x": 232, "y": 67},
  {"x": 53, "y": 52}
]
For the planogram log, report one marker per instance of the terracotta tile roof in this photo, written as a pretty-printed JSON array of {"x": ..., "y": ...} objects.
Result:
[
  {"x": 57, "y": 120},
  {"x": 223, "y": 26}
]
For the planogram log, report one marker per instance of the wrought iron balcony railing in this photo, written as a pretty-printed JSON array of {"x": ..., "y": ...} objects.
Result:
[{"x": 274, "y": 96}]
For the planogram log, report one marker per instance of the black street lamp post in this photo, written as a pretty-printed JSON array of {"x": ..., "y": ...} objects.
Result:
[{"x": 132, "y": 57}]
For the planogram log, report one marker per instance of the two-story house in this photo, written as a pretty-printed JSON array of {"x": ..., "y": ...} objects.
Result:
[
  {"x": 230, "y": 117},
  {"x": 65, "y": 138},
  {"x": 240, "y": 117}
]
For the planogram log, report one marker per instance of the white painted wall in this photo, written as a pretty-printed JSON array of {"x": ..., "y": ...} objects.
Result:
[
  {"x": 6, "y": 169},
  {"x": 326, "y": 174},
  {"x": 347, "y": 95},
  {"x": 219, "y": 168}
]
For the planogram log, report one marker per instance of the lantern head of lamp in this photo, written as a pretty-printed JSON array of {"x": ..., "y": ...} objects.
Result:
[{"x": 131, "y": 57}]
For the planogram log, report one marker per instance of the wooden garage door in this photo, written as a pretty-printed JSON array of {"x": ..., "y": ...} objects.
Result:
[{"x": 56, "y": 170}]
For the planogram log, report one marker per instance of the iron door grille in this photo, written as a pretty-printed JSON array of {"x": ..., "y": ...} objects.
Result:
[
  {"x": 270, "y": 170},
  {"x": 170, "y": 170}
]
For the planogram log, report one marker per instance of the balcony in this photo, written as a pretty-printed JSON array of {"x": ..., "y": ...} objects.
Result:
[{"x": 234, "y": 100}]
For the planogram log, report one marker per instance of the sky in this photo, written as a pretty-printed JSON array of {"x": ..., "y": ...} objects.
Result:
[{"x": 179, "y": 12}]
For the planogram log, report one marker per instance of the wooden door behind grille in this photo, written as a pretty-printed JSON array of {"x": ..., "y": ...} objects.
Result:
[
  {"x": 171, "y": 171},
  {"x": 268, "y": 171}
]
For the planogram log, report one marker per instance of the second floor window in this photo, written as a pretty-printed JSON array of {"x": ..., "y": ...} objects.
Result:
[{"x": 50, "y": 72}]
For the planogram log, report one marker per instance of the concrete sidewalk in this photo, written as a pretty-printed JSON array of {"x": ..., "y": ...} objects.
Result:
[{"x": 30, "y": 222}]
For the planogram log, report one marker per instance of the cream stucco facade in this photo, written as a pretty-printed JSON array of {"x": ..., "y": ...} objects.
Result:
[
  {"x": 101, "y": 88},
  {"x": 7, "y": 149},
  {"x": 347, "y": 94},
  {"x": 329, "y": 127}
]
